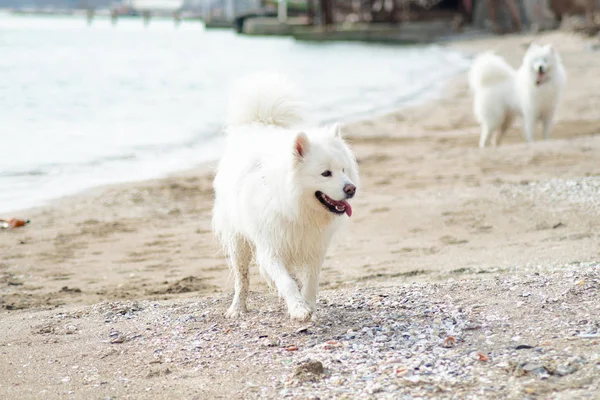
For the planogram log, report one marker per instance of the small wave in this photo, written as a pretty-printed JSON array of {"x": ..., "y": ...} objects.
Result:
[
  {"x": 102, "y": 160},
  {"x": 49, "y": 169},
  {"x": 16, "y": 174}
]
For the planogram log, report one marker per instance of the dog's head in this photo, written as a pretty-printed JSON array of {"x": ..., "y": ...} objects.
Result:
[
  {"x": 325, "y": 171},
  {"x": 542, "y": 61}
]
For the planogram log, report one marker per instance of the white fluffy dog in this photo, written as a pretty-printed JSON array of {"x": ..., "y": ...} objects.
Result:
[
  {"x": 531, "y": 92},
  {"x": 280, "y": 193}
]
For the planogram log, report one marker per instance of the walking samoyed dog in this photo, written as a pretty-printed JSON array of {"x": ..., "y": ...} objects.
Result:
[
  {"x": 280, "y": 193},
  {"x": 531, "y": 92}
]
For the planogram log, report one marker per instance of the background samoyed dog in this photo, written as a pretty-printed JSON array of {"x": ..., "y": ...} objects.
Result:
[
  {"x": 531, "y": 92},
  {"x": 280, "y": 193}
]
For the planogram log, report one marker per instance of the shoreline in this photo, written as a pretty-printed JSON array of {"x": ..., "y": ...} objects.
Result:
[
  {"x": 503, "y": 242},
  {"x": 95, "y": 191}
]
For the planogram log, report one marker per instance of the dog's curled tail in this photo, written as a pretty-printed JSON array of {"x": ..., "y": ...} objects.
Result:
[
  {"x": 489, "y": 69},
  {"x": 267, "y": 98}
]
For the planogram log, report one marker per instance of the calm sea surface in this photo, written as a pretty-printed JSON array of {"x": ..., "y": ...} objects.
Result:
[{"x": 82, "y": 106}]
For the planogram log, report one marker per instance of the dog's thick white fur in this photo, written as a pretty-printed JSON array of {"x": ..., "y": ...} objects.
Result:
[
  {"x": 502, "y": 93},
  {"x": 280, "y": 193}
]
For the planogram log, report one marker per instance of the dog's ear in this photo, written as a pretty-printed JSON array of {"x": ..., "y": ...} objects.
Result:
[
  {"x": 301, "y": 145},
  {"x": 533, "y": 45},
  {"x": 550, "y": 48}
]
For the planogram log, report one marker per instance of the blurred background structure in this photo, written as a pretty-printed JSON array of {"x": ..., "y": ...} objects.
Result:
[{"x": 376, "y": 20}]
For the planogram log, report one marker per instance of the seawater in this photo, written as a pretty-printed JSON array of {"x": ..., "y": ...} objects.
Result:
[{"x": 82, "y": 106}]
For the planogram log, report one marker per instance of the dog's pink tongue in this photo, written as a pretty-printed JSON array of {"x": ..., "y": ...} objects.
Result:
[
  {"x": 540, "y": 79},
  {"x": 348, "y": 208}
]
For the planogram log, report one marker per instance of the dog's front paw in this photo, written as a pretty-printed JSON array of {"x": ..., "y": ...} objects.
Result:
[
  {"x": 300, "y": 311},
  {"x": 236, "y": 311}
]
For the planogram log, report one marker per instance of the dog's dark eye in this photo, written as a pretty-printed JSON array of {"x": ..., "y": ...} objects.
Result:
[{"x": 326, "y": 173}]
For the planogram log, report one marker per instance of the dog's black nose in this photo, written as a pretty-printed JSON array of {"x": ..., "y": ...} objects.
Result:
[
  {"x": 541, "y": 69},
  {"x": 349, "y": 189}
]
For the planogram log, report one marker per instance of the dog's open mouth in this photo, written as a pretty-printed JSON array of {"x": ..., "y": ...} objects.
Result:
[
  {"x": 337, "y": 207},
  {"x": 542, "y": 77}
]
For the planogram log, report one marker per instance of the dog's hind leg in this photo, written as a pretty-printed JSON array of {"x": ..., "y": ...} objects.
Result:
[
  {"x": 485, "y": 136},
  {"x": 497, "y": 138},
  {"x": 286, "y": 286},
  {"x": 546, "y": 126},
  {"x": 240, "y": 255}
]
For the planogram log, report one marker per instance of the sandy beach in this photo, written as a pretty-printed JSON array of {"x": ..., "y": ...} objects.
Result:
[{"x": 119, "y": 292}]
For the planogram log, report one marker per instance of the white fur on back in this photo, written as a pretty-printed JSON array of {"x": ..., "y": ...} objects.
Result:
[
  {"x": 489, "y": 69},
  {"x": 269, "y": 99}
]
